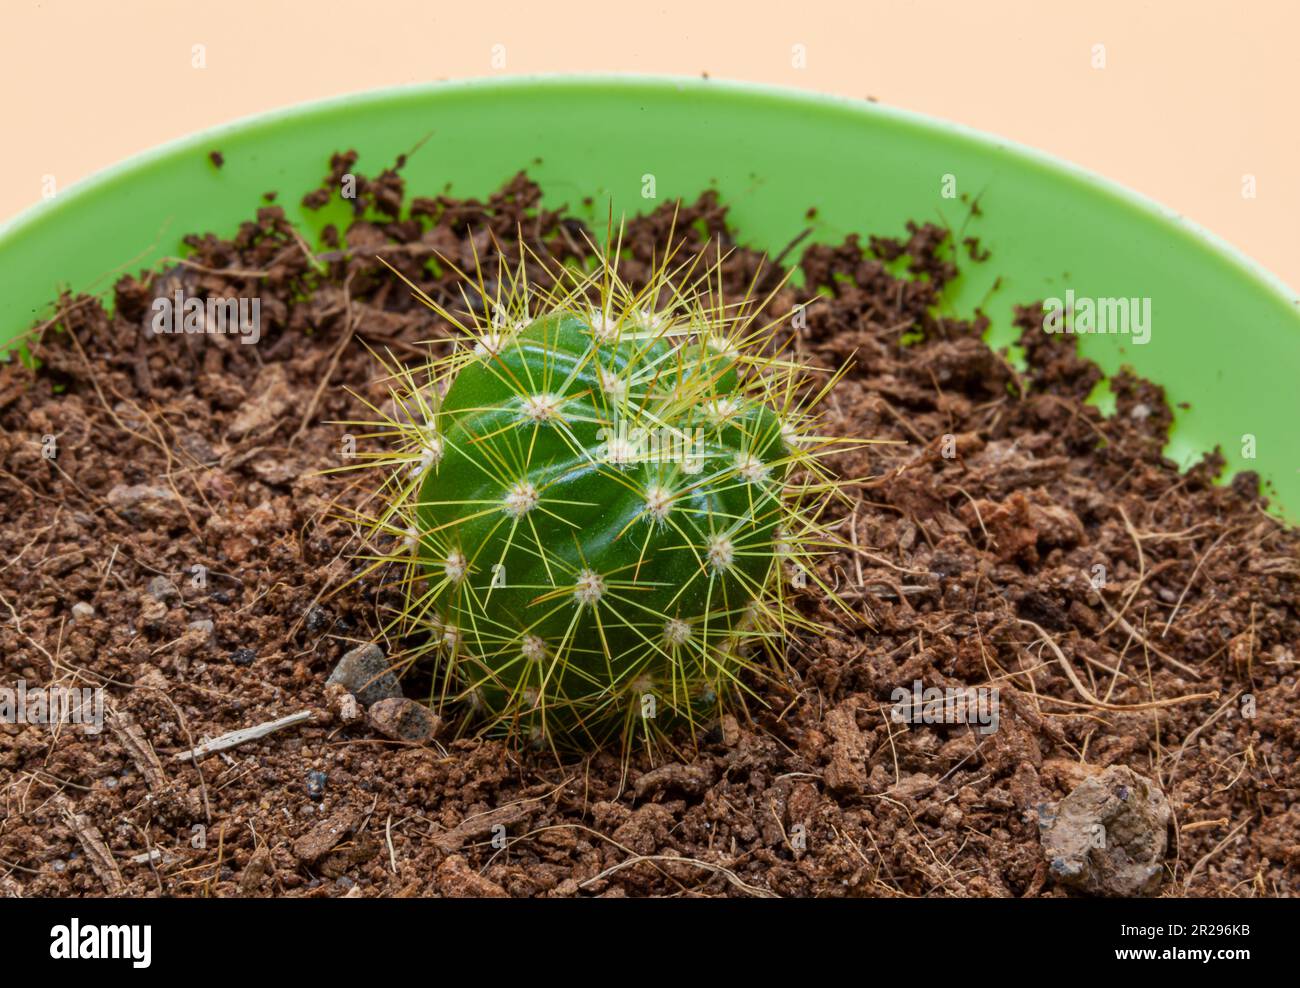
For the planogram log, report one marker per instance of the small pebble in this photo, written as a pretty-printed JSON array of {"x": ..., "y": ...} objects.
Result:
[
  {"x": 316, "y": 784},
  {"x": 364, "y": 672},
  {"x": 243, "y": 656},
  {"x": 1109, "y": 835},
  {"x": 163, "y": 590},
  {"x": 404, "y": 720},
  {"x": 317, "y": 618},
  {"x": 81, "y": 611},
  {"x": 342, "y": 704}
]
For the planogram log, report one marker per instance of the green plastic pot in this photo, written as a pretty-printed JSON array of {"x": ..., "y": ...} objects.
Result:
[{"x": 1225, "y": 334}]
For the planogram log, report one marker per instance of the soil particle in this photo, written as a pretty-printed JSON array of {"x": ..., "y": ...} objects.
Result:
[
  {"x": 322, "y": 838},
  {"x": 144, "y": 504},
  {"x": 269, "y": 398},
  {"x": 688, "y": 780},
  {"x": 913, "y": 787},
  {"x": 260, "y": 867},
  {"x": 846, "y": 772},
  {"x": 455, "y": 880},
  {"x": 646, "y": 829},
  {"x": 342, "y": 704},
  {"x": 491, "y": 823}
]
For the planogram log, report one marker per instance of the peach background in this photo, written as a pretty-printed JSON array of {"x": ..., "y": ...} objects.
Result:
[{"x": 1195, "y": 94}]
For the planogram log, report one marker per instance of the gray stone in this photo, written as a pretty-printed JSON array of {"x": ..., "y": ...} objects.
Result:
[
  {"x": 404, "y": 720},
  {"x": 81, "y": 611},
  {"x": 162, "y": 589},
  {"x": 1108, "y": 836},
  {"x": 365, "y": 673}
]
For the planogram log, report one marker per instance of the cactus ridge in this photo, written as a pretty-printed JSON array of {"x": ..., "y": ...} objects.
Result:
[{"x": 602, "y": 495}]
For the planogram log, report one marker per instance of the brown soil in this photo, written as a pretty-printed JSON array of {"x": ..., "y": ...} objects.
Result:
[{"x": 181, "y": 451}]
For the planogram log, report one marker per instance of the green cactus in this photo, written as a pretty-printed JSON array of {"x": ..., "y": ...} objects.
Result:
[{"x": 603, "y": 506}]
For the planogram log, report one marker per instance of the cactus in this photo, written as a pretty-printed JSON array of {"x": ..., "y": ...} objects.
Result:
[{"x": 603, "y": 497}]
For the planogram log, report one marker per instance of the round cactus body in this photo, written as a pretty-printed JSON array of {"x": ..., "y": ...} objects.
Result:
[
  {"x": 602, "y": 508},
  {"x": 602, "y": 520}
]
